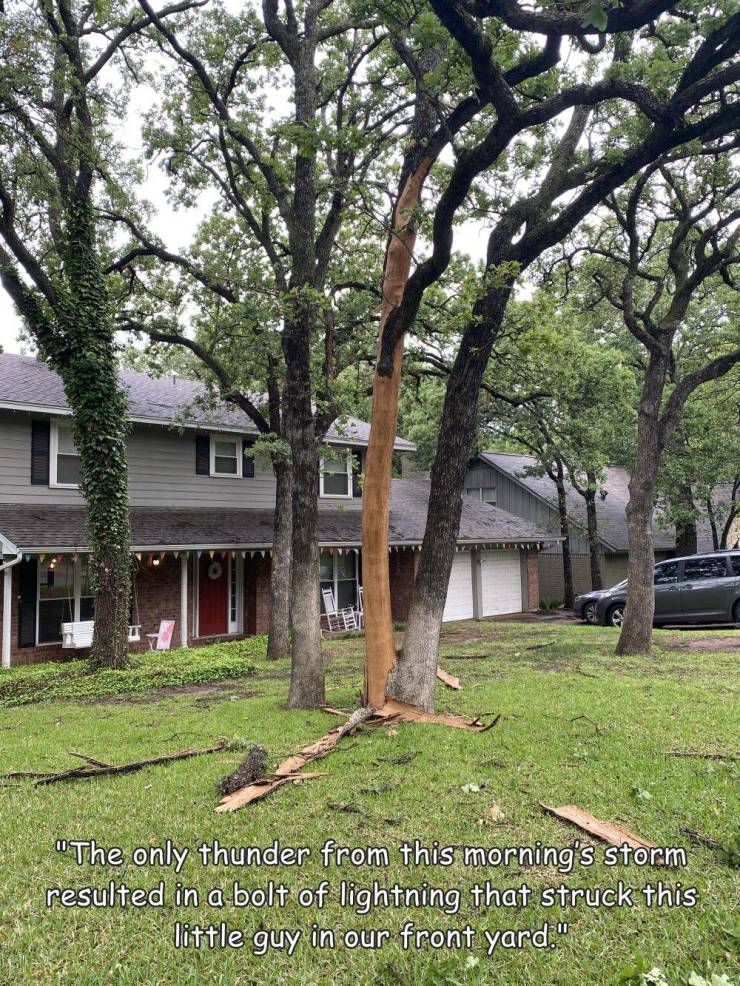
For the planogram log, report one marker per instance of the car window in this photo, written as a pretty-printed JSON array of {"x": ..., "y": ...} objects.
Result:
[
  {"x": 735, "y": 564},
  {"x": 697, "y": 569},
  {"x": 665, "y": 574}
]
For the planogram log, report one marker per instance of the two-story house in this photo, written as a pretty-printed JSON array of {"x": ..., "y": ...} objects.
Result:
[{"x": 201, "y": 520}]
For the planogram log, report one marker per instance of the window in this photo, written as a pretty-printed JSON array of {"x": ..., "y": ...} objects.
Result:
[
  {"x": 666, "y": 574},
  {"x": 65, "y": 459},
  {"x": 699, "y": 569},
  {"x": 336, "y": 476},
  {"x": 735, "y": 564},
  {"x": 339, "y": 573},
  {"x": 486, "y": 494},
  {"x": 233, "y": 596},
  {"x": 64, "y": 596},
  {"x": 225, "y": 456}
]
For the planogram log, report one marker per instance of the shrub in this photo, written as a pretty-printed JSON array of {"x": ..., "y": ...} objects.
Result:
[{"x": 146, "y": 672}]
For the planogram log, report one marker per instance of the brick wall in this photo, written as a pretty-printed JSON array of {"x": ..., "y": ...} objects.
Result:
[
  {"x": 157, "y": 597},
  {"x": 403, "y": 565}
]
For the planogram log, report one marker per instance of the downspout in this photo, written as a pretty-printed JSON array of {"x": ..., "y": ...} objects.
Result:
[{"x": 7, "y": 567}]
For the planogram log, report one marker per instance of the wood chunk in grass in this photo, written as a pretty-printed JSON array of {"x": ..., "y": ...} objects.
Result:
[{"x": 249, "y": 770}]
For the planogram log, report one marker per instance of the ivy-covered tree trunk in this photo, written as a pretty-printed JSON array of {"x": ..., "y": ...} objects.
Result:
[
  {"x": 82, "y": 350},
  {"x": 278, "y": 639}
]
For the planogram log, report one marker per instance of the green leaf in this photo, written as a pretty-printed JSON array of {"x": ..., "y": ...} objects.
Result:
[{"x": 595, "y": 16}]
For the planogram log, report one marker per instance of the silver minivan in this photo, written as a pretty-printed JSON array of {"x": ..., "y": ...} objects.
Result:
[{"x": 695, "y": 589}]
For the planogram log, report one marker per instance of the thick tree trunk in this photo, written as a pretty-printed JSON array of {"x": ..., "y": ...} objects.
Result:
[
  {"x": 712, "y": 523},
  {"x": 686, "y": 533},
  {"x": 379, "y": 644},
  {"x": 559, "y": 478},
  {"x": 278, "y": 637},
  {"x": 637, "y": 630},
  {"x": 592, "y": 525},
  {"x": 307, "y": 668},
  {"x": 413, "y": 679}
]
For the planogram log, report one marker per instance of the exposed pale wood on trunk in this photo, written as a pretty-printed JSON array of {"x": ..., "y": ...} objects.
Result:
[{"x": 379, "y": 643}]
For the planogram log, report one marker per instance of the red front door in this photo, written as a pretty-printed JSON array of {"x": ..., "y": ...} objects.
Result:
[{"x": 212, "y": 595}]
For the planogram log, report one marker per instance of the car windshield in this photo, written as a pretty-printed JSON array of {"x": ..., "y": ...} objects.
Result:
[{"x": 619, "y": 585}]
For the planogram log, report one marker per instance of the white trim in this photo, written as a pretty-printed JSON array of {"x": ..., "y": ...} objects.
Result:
[
  {"x": 53, "y": 455},
  {"x": 183, "y": 600},
  {"x": 336, "y": 496},
  {"x": 237, "y": 456},
  {"x": 7, "y": 569}
]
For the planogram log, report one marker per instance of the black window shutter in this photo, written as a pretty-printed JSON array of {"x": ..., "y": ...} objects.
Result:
[
  {"x": 202, "y": 455},
  {"x": 247, "y": 461},
  {"x": 28, "y": 584},
  {"x": 40, "y": 453},
  {"x": 356, "y": 472}
]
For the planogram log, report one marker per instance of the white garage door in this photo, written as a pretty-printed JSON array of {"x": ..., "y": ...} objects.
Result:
[
  {"x": 501, "y": 582},
  {"x": 459, "y": 605}
]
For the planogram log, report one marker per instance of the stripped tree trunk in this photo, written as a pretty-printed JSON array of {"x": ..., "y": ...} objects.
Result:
[
  {"x": 379, "y": 644},
  {"x": 278, "y": 639}
]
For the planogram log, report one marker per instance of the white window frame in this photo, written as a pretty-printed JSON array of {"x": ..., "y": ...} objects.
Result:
[
  {"x": 54, "y": 452},
  {"x": 337, "y": 496},
  {"x": 237, "y": 442},
  {"x": 335, "y": 575},
  {"x": 76, "y": 600}
]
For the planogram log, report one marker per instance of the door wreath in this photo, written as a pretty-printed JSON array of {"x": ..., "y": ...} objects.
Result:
[{"x": 215, "y": 570}]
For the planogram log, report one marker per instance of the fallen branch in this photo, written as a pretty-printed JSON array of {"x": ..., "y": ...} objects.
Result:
[
  {"x": 700, "y": 839},
  {"x": 98, "y": 768},
  {"x": 449, "y": 679},
  {"x": 616, "y": 835},
  {"x": 702, "y": 755}
]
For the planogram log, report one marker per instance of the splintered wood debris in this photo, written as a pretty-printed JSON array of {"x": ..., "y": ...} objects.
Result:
[
  {"x": 289, "y": 771},
  {"x": 615, "y": 835},
  {"x": 449, "y": 679}
]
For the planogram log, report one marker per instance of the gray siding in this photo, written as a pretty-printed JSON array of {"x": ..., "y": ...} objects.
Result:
[
  {"x": 161, "y": 473},
  {"x": 510, "y": 496}
]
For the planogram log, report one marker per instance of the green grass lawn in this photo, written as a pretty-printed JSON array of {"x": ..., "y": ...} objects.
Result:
[{"x": 578, "y": 726}]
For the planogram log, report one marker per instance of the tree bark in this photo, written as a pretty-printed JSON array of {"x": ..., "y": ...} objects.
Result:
[
  {"x": 278, "y": 637},
  {"x": 307, "y": 670},
  {"x": 592, "y": 526},
  {"x": 558, "y": 477},
  {"x": 413, "y": 678},
  {"x": 686, "y": 534},
  {"x": 712, "y": 523},
  {"x": 637, "y": 630}
]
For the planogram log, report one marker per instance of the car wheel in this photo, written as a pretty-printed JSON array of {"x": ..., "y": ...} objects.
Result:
[
  {"x": 589, "y": 613},
  {"x": 615, "y": 616}
]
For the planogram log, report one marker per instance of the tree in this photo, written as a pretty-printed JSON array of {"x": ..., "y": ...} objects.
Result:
[
  {"x": 58, "y": 165},
  {"x": 291, "y": 182},
  {"x": 683, "y": 106},
  {"x": 671, "y": 238}
]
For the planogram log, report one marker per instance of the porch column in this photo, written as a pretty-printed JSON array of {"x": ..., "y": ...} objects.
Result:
[
  {"x": 183, "y": 600},
  {"x": 7, "y": 613}
]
